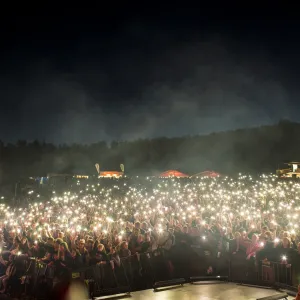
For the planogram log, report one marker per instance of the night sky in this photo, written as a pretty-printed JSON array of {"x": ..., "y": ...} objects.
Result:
[{"x": 127, "y": 75}]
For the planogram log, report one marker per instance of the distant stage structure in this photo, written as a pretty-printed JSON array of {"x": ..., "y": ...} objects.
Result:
[
  {"x": 291, "y": 171},
  {"x": 110, "y": 174}
]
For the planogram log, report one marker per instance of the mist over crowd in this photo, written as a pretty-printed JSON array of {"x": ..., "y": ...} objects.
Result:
[
  {"x": 128, "y": 87},
  {"x": 254, "y": 151}
]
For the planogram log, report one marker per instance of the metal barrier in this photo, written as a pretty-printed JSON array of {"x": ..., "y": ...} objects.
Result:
[
  {"x": 242, "y": 270},
  {"x": 37, "y": 279},
  {"x": 278, "y": 274},
  {"x": 110, "y": 279},
  {"x": 157, "y": 269}
]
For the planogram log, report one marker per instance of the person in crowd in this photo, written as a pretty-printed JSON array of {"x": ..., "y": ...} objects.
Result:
[
  {"x": 101, "y": 255},
  {"x": 83, "y": 227},
  {"x": 254, "y": 246},
  {"x": 84, "y": 254},
  {"x": 123, "y": 250},
  {"x": 9, "y": 273},
  {"x": 114, "y": 256}
]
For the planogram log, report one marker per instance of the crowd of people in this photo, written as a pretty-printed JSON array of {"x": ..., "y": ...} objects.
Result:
[{"x": 105, "y": 221}]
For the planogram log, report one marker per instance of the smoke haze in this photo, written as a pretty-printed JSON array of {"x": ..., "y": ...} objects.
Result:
[{"x": 149, "y": 87}]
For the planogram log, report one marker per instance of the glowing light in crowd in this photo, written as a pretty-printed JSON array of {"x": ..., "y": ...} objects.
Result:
[{"x": 198, "y": 203}]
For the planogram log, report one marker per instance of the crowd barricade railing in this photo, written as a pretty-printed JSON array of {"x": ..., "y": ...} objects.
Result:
[
  {"x": 146, "y": 270},
  {"x": 41, "y": 278},
  {"x": 165, "y": 273},
  {"x": 133, "y": 268},
  {"x": 279, "y": 274},
  {"x": 109, "y": 277},
  {"x": 184, "y": 264},
  {"x": 243, "y": 270},
  {"x": 208, "y": 262},
  {"x": 267, "y": 273},
  {"x": 14, "y": 283},
  {"x": 128, "y": 269},
  {"x": 85, "y": 275},
  {"x": 30, "y": 273},
  {"x": 159, "y": 268},
  {"x": 205, "y": 264}
]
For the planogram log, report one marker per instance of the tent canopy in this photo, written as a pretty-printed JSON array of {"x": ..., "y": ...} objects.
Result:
[
  {"x": 173, "y": 173},
  {"x": 207, "y": 174}
]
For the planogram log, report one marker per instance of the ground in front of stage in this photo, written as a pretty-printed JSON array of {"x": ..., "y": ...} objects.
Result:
[{"x": 205, "y": 291}]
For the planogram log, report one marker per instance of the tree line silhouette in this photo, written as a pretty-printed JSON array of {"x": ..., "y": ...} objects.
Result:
[{"x": 254, "y": 150}]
